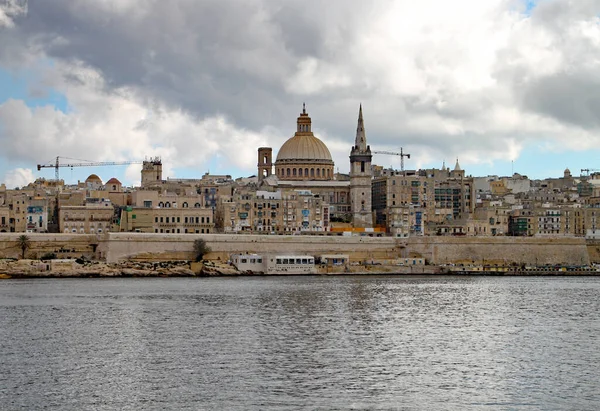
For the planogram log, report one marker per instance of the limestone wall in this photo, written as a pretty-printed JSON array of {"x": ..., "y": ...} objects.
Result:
[
  {"x": 120, "y": 246},
  {"x": 114, "y": 247},
  {"x": 63, "y": 245},
  {"x": 502, "y": 250}
]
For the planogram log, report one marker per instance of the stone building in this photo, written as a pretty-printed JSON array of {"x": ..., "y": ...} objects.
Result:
[
  {"x": 178, "y": 220},
  {"x": 274, "y": 212},
  {"x": 94, "y": 217},
  {"x": 304, "y": 163}
]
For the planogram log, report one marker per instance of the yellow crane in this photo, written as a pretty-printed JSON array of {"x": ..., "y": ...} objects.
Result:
[{"x": 57, "y": 163}]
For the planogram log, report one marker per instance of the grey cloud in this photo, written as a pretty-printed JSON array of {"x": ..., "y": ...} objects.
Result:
[
  {"x": 568, "y": 98},
  {"x": 236, "y": 58}
]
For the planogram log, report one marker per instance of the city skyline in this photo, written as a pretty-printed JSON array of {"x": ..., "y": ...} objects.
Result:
[{"x": 506, "y": 86}]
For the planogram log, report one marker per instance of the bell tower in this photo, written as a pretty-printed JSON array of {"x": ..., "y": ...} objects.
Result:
[
  {"x": 361, "y": 175},
  {"x": 151, "y": 172},
  {"x": 265, "y": 162}
]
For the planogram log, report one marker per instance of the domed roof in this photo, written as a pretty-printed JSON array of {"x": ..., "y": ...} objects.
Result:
[
  {"x": 113, "y": 181},
  {"x": 93, "y": 178},
  {"x": 304, "y": 147}
]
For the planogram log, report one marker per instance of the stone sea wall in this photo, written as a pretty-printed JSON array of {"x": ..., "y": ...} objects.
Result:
[{"x": 117, "y": 247}]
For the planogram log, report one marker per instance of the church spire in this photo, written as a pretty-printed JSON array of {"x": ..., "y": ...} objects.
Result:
[{"x": 361, "y": 138}]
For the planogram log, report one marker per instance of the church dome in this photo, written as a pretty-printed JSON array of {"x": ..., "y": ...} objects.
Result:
[
  {"x": 304, "y": 147},
  {"x": 304, "y": 156},
  {"x": 93, "y": 178}
]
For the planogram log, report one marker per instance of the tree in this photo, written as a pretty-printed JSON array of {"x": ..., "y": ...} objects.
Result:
[
  {"x": 200, "y": 249},
  {"x": 24, "y": 244}
]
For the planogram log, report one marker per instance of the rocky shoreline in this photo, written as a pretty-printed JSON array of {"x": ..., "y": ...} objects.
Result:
[
  {"x": 79, "y": 268},
  {"x": 95, "y": 269}
]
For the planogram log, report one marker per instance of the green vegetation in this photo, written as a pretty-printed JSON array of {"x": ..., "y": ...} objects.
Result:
[
  {"x": 200, "y": 249},
  {"x": 48, "y": 256},
  {"x": 24, "y": 244}
]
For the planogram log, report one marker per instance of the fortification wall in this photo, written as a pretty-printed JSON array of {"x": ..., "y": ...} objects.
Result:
[
  {"x": 63, "y": 245},
  {"x": 502, "y": 250},
  {"x": 114, "y": 247},
  {"x": 120, "y": 246}
]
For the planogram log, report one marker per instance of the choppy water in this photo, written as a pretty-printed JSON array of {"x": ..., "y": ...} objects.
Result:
[{"x": 387, "y": 342}]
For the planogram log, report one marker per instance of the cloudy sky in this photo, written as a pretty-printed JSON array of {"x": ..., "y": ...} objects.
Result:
[{"x": 502, "y": 85}]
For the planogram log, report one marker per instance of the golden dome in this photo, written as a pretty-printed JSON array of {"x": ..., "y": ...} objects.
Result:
[{"x": 304, "y": 147}]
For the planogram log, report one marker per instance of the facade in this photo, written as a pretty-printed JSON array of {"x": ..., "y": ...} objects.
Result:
[
  {"x": 167, "y": 220},
  {"x": 95, "y": 217},
  {"x": 278, "y": 212}
]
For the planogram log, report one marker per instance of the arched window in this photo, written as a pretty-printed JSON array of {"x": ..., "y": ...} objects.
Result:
[
  {"x": 306, "y": 172},
  {"x": 288, "y": 172},
  {"x": 160, "y": 204},
  {"x": 167, "y": 205},
  {"x": 300, "y": 172},
  {"x": 294, "y": 172},
  {"x": 318, "y": 172},
  {"x": 197, "y": 205},
  {"x": 312, "y": 172},
  {"x": 185, "y": 204}
]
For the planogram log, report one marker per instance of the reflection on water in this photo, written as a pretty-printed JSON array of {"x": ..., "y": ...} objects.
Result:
[{"x": 300, "y": 342}]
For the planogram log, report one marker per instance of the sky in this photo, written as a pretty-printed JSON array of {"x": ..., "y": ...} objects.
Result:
[{"x": 504, "y": 86}]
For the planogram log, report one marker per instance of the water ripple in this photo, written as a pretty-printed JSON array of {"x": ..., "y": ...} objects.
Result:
[{"x": 389, "y": 342}]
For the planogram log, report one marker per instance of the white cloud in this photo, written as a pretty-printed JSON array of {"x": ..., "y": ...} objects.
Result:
[
  {"x": 116, "y": 125},
  {"x": 9, "y": 9},
  {"x": 18, "y": 177},
  {"x": 479, "y": 80}
]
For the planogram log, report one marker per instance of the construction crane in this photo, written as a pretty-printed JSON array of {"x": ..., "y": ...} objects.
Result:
[
  {"x": 56, "y": 164},
  {"x": 401, "y": 154}
]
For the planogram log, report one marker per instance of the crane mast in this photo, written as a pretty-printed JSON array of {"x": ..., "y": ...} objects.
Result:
[{"x": 402, "y": 154}]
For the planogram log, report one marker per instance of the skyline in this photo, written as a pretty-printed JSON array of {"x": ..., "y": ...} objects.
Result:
[{"x": 506, "y": 86}]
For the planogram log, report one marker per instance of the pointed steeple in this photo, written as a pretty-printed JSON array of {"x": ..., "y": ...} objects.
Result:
[
  {"x": 361, "y": 139},
  {"x": 457, "y": 166}
]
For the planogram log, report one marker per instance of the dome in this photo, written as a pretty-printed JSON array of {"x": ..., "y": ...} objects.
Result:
[
  {"x": 93, "y": 178},
  {"x": 304, "y": 156},
  {"x": 304, "y": 147},
  {"x": 113, "y": 181}
]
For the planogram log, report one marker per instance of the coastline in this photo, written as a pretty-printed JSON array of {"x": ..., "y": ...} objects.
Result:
[{"x": 18, "y": 269}]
